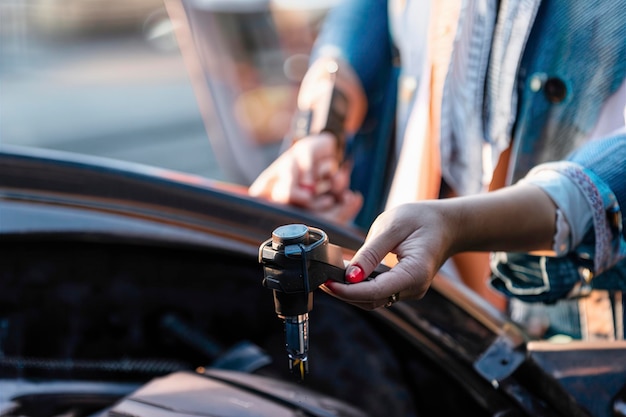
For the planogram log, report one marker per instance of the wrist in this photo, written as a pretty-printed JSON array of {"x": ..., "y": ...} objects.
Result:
[{"x": 452, "y": 231}]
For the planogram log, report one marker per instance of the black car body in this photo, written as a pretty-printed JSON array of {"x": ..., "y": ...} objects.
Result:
[{"x": 127, "y": 290}]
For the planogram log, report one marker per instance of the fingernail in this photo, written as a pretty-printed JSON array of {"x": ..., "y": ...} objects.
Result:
[
  {"x": 354, "y": 274},
  {"x": 309, "y": 187},
  {"x": 328, "y": 282}
]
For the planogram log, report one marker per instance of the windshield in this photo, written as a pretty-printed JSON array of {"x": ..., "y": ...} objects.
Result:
[{"x": 198, "y": 86}]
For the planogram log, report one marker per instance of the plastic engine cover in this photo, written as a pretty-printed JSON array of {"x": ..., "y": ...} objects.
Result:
[{"x": 227, "y": 394}]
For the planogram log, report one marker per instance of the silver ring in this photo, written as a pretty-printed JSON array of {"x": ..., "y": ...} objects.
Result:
[{"x": 393, "y": 298}]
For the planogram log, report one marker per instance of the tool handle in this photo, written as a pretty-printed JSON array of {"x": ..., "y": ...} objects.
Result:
[{"x": 336, "y": 268}]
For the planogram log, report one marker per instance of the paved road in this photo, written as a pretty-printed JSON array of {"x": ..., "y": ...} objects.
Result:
[{"x": 116, "y": 97}]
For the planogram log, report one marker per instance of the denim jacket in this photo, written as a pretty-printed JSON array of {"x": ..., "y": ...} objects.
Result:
[
  {"x": 599, "y": 259},
  {"x": 550, "y": 67}
]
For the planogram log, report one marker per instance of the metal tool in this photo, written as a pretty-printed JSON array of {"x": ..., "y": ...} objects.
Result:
[
  {"x": 297, "y": 260},
  {"x": 329, "y": 114}
]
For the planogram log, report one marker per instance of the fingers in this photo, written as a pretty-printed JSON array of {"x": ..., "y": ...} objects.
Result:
[
  {"x": 341, "y": 179},
  {"x": 351, "y": 203},
  {"x": 390, "y": 233},
  {"x": 387, "y": 288},
  {"x": 376, "y": 247},
  {"x": 286, "y": 190},
  {"x": 300, "y": 174},
  {"x": 365, "y": 305},
  {"x": 396, "y": 231},
  {"x": 338, "y": 210},
  {"x": 279, "y": 183}
]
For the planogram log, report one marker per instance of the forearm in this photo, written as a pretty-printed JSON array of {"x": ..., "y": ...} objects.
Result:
[
  {"x": 516, "y": 218},
  {"x": 590, "y": 189}
]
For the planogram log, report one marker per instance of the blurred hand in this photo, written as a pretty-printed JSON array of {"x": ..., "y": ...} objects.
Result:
[{"x": 308, "y": 175}]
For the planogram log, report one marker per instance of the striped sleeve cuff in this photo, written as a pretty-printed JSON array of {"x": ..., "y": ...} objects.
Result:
[{"x": 585, "y": 201}]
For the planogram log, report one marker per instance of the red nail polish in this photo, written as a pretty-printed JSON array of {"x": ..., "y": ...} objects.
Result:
[
  {"x": 354, "y": 274},
  {"x": 328, "y": 282}
]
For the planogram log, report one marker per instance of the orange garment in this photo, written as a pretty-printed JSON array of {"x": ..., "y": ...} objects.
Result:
[
  {"x": 444, "y": 17},
  {"x": 418, "y": 171},
  {"x": 473, "y": 267},
  {"x": 419, "y": 165}
]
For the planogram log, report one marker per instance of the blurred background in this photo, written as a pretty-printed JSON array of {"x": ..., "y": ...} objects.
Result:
[{"x": 204, "y": 87}]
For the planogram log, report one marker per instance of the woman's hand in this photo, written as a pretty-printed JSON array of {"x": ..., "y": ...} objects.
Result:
[
  {"x": 419, "y": 235},
  {"x": 424, "y": 235}
]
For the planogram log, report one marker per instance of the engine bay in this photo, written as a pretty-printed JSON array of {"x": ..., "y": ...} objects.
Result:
[{"x": 86, "y": 322}]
